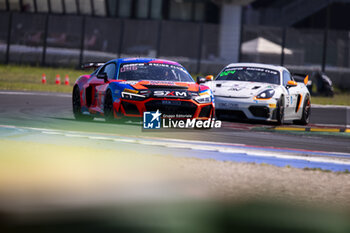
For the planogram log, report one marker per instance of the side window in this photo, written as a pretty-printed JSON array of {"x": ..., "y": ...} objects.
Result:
[
  {"x": 109, "y": 70},
  {"x": 286, "y": 77}
]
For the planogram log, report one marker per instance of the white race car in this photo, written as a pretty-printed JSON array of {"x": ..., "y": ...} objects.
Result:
[{"x": 260, "y": 92}]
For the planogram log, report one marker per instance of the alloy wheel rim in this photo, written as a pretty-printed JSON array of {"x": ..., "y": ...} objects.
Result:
[{"x": 307, "y": 111}]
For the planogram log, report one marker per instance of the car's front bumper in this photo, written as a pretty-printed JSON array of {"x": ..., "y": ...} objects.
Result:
[
  {"x": 170, "y": 108},
  {"x": 245, "y": 108}
]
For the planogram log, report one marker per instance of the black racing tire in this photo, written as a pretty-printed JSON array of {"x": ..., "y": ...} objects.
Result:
[
  {"x": 305, "y": 117},
  {"x": 108, "y": 107},
  {"x": 280, "y": 111},
  {"x": 76, "y": 103}
]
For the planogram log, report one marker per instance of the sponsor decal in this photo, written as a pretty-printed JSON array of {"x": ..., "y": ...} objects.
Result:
[
  {"x": 228, "y": 105},
  {"x": 165, "y": 83},
  {"x": 263, "y": 70},
  {"x": 167, "y": 65},
  {"x": 130, "y": 67},
  {"x": 178, "y": 94},
  {"x": 237, "y": 87},
  {"x": 227, "y": 72},
  {"x": 169, "y": 102},
  {"x": 129, "y": 82},
  {"x": 234, "y": 69}
]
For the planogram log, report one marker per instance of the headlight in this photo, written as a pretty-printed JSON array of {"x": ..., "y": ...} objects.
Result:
[
  {"x": 267, "y": 94},
  {"x": 203, "y": 99},
  {"x": 132, "y": 95}
]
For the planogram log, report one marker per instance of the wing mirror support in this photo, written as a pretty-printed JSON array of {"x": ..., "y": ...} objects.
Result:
[
  {"x": 209, "y": 77},
  {"x": 201, "y": 80},
  {"x": 291, "y": 83},
  {"x": 102, "y": 76}
]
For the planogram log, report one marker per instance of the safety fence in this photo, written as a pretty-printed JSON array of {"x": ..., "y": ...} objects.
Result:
[
  {"x": 301, "y": 50},
  {"x": 63, "y": 40},
  {"x": 296, "y": 47},
  {"x": 70, "y": 40}
]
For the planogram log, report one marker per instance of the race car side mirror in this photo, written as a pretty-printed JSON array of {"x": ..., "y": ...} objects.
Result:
[
  {"x": 102, "y": 76},
  {"x": 291, "y": 83},
  {"x": 209, "y": 77},
  {"x": 201, "y": 80}
]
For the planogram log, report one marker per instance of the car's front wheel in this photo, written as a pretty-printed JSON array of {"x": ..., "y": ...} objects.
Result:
[
  {"x": 108, "y": 107},
  {"x": 76, "y": 101},
  {"x": 280, "y": 111},
  {"x": 305, "y": 117}
]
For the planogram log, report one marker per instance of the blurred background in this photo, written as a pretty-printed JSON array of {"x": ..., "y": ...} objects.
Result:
[{"x": 204, "y": 35}]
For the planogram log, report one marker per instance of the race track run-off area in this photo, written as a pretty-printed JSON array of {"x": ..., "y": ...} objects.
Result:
[{"x": 47, "y": 118}]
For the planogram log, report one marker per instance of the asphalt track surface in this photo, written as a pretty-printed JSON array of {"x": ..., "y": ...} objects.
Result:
[
  {"x": 47, "y": 118},
  {"x": 54, "y": 111}
]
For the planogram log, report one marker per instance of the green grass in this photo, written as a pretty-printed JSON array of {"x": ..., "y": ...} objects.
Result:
[
  {"x": 28, "y": 78},
  {"x": 341, "y": 98}
]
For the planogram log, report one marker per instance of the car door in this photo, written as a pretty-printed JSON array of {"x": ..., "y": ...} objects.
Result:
[
  {"x": 96, "y": 88},
  {"x": 110, "y": 70},
  {"x": 291, "y": 96}
]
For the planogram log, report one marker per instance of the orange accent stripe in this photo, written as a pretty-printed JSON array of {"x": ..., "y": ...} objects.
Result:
[
  {"x": 261, "y": 99},
  {"x": 306, "y": 80},
  {"x": 139, "y": 86},
  {"x": 301, "y": 98}
]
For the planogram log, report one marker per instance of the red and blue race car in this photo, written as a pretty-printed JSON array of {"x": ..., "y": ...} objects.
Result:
[{"x": 127, "y": 87}]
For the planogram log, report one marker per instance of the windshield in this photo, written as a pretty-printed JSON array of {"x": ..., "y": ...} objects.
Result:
[
  {"x": 249, "y": 74},
  {"x": 153, "y": 71}
]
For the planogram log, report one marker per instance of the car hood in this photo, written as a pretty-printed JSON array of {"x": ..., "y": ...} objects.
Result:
[
  {"x": 239, "y": 89},
  {"x": 146, "y": 84}
]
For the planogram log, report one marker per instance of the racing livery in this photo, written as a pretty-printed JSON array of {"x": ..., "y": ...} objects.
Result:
[
  {"x": 130, "y": 86},
  {"x": 260, "y": 92}
]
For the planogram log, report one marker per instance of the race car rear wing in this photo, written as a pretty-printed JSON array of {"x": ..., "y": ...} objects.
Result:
[
  {"x": 92, "y": 65},
  {"x": 301, "y": 78}
]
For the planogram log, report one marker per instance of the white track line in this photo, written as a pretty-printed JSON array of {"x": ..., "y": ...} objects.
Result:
[
  {"x": 332, "y": 125},
  {"x": 140, "y": 138},
  {"x": 193, "y": 145},
  {"x": 220, "y": 149},
  {"x": 329, "y": 106}
]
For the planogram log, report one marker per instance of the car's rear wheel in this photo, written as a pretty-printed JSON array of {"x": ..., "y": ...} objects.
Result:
[
  {"x": 108, "y": 107},
  {"x": 280, "y": 111},
  {"x": 305, "y": 117},
  {"x": 76, "y": 101}
]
